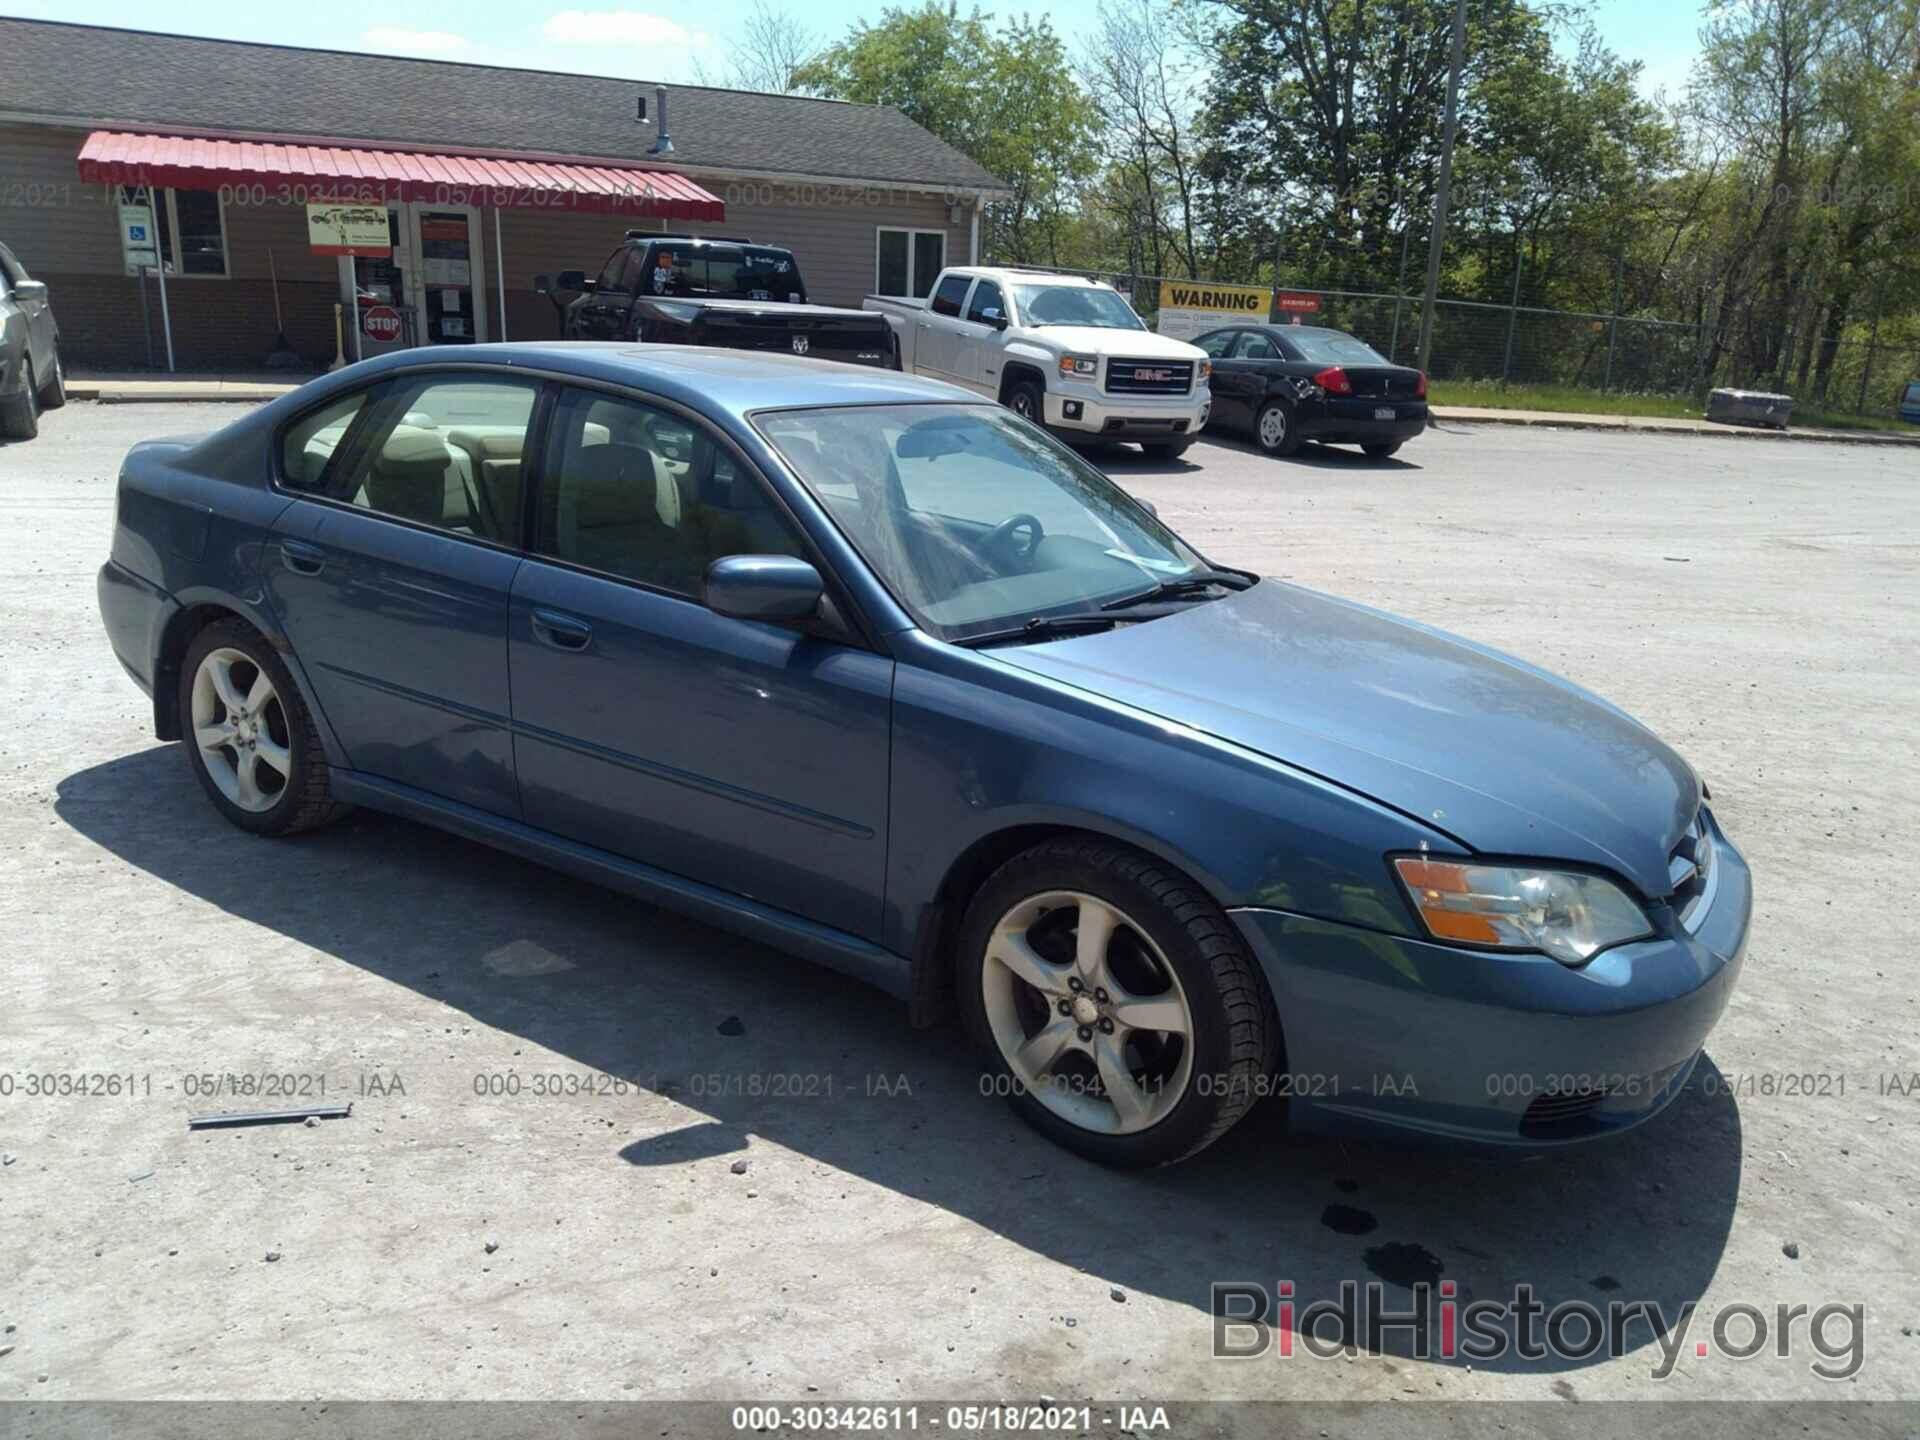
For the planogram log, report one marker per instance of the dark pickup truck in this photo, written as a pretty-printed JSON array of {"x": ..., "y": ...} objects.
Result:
[{"x": 685, "y": 290}]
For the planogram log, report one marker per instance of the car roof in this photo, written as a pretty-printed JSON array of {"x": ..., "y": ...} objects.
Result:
[{"x": 701, "y": 377}]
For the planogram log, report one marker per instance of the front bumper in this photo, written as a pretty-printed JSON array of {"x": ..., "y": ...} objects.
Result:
[
  {"x": 1357, "y": 421},
  {"x": 1085, "y": 409},
  {"x": 1386, "y": 1034}
]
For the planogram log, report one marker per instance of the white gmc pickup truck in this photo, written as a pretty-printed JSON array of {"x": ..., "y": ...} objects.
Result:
[{"x": 1063, "y": 351}]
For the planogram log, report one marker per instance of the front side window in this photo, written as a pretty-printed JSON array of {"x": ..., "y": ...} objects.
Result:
[
  {"x": 1076, "y": 305},
  {"x": 638, "y": 492},
  {"x": 973, "y": 521},
  {"x": 986, "y": 296},
  {"x": 444, "y": 450}
]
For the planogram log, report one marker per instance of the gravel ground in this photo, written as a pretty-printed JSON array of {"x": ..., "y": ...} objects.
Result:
[{"x": 463, "y": 1236}]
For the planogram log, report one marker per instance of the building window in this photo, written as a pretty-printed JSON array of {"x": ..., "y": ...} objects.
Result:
[
  {"x": 196, "y": 218},
  {"x": 907, "y": 262}
]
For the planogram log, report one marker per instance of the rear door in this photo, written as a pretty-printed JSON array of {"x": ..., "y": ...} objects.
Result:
[
  {"x": 937, "y": 341},
  {"x": 392, "y": 569},
  {"x": 747, "y": 756}
]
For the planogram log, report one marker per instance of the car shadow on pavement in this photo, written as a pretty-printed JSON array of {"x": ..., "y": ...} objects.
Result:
[
  {"x": 761, "y": 1044},
  {"x": 1311, "y": 454}
]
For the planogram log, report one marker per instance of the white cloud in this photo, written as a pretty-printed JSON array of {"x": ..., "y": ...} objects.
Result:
[
  {"x": 621, "y": 27},
  {"x": 395, "y": 40}
]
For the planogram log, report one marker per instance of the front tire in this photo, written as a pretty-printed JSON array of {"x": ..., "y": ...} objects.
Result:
[
  {"x": 250, "y": 739},
  {"x": 1028, "y": 401},
  {"x": 20, "y": 415},
  {"x": 1275, "y": 429},
  {"x": 1113, "y": 1002},
  {"x": 55, "y": 393}
]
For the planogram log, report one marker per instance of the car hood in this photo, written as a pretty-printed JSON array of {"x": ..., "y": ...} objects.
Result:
[
  {"x": 1496, "y": 753},
  {"x": 1103, "y": 340}
]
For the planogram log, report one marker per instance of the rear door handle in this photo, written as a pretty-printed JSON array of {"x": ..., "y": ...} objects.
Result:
[
  {"x": 301, "y": 558},
  {"x": 562, "y": 632}
]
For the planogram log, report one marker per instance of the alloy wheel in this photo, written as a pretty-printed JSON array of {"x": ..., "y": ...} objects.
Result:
[
  {"x": 1087, "y": 1013},
  {"x": 241, "y": 730}
]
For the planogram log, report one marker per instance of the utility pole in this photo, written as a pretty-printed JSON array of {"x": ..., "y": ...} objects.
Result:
[{"x": 1437, "y": 242}]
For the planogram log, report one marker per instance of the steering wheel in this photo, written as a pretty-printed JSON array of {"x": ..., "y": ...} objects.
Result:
[{"x": 1001, "y": 544}]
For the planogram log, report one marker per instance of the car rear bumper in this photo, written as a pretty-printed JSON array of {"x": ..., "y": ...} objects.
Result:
[
  {"x": 1087, "y": 410},
  {"x": 135, "y": 613},
  {"x": 1386, "y": 1034},
  {"x": 1357, "y": 421}
]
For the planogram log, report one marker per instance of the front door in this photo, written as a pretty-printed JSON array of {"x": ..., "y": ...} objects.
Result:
[
  {"x": 748, "y": 756},
  {"x": 392, "y": 570},
  {"x": 452, "y": 308}
]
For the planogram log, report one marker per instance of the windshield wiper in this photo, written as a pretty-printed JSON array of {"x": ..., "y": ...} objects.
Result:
[
  {"x": 1045, "y": 627},
  {"x": 1184, "y": 585}
]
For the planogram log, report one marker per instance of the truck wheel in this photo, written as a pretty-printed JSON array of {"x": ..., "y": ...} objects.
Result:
[
  {"x": 1028, "y": 401},
  {"x": 55, "y": 393},
  {"x": 20, "y": 415},
  {"x": 1274, "y": 428}
]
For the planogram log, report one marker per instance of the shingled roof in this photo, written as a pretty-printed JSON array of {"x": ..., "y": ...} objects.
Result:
[{"x": 135, "y": 80}]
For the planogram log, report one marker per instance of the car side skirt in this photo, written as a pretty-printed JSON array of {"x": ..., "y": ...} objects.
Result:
[{"x": 835, "y": 949}]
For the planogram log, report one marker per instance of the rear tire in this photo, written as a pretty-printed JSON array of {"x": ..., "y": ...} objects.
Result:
[
  {"x": 20, "y": 414},
  {"x": 1028, "y": 401},
  {"x": 250, "y": 738},
  {"x": 1381, "y": 451},
  {"x": 1159, "y": 993},
  {"x": 55, "y": 393},
  {"x": 1274, "y": 429}
]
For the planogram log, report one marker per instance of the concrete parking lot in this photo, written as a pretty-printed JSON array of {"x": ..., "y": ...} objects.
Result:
[{"x": 470, "y": 1233}]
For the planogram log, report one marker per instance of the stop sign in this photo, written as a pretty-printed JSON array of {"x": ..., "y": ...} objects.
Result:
[{"x": 381, "y": 322}]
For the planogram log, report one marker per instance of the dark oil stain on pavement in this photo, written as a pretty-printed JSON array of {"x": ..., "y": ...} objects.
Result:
[
  {"x": 1401, "y": 1263},
  {"x": 1347, "y": 1220}
]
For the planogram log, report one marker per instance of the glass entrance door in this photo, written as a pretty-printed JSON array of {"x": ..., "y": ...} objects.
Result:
[
  {"x": 452, "y": 305},
  {"x": 381, "y": 291}
]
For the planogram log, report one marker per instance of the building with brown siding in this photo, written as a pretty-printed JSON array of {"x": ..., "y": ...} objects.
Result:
[{"x": 489, "y": 177}]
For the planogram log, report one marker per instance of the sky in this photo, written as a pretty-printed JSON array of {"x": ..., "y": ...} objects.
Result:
[{"x": 675, "y": 42}]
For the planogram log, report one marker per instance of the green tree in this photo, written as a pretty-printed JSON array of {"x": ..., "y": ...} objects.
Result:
[{"x": 1006, "y": 97}]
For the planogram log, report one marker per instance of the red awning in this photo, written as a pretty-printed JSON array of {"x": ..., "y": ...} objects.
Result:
[{"x": 297, "y": 174}]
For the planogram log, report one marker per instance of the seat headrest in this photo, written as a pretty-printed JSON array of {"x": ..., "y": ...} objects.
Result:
[{"x": 615, "y": 485}]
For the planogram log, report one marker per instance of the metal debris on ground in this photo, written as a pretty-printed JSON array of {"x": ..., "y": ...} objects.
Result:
[{"x": 269, "y": 1117}]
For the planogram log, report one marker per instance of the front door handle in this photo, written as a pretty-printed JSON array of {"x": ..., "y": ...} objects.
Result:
[
  {"x": 301, "y": 558},
  {"x": 562, "y": 632}
]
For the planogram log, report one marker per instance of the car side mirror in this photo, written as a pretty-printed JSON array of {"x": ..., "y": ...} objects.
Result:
[
  {"x": 763, "y": 587},
  {"x": 994, "y": 317},
  {"x": 571, "y": 280},
  {"x": 29, "y": 289}
]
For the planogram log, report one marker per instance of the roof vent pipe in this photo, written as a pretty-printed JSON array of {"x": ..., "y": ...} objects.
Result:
[{"x": 663, "y": 144}]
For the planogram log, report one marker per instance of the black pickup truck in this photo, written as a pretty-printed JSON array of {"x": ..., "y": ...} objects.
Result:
[{"x": 686, "y": 290}]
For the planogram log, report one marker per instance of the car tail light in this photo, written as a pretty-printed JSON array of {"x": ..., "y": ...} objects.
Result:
[
  {"x": 1334, "y": 381},
  {"x": 1420, "y": 386}
]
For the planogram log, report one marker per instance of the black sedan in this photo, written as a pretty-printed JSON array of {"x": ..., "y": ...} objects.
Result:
[{"x": 1291, "y": 383}]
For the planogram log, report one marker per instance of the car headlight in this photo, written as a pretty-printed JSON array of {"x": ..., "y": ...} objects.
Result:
[
  {"x": 1566, "y": 914},
  {"x": 1079, "y": 365}
]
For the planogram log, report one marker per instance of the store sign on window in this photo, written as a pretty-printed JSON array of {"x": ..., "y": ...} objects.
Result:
[{"x": 334, "y": 229}]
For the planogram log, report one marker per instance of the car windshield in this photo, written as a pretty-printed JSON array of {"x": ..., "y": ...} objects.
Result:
[
  {"x": 976, "y": 523},
  {"x": 1076, "y": 305},
  {"x": 1330, "y": 347}
]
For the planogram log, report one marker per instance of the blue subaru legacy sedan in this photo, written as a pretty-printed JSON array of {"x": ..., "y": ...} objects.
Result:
[{"x": 884, "y": 676}]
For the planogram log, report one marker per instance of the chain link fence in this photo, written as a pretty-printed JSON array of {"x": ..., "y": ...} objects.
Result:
[{"x": 1495, "y": 345}]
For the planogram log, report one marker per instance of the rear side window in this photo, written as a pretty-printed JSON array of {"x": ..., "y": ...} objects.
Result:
[
  {"x": 444, "y": 450},
  {"x": 949, "y": 293},
  {"x": 1255, "y": 346},
  {"x": 308, "y": 446}
]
